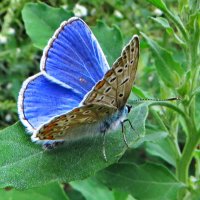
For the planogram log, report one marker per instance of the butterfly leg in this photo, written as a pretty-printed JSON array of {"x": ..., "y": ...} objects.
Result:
[
  {"x": 124, "y": 133},
  {"x": 127, "y": 120},
  {"x": 103, "y": 147}
]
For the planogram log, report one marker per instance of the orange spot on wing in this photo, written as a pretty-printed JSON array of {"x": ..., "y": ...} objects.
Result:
[
  {"x": 48, "y": 128},
  {"x": 109, "y": 73},
  {"x": 50, "y": 137},
  {"x": 100, "y": 84},
  {"x": 62, "y": 117},
  {"x": 76, "y": 110}
]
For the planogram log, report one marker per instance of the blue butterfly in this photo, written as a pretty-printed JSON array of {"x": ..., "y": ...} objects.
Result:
[{"x": 76, "y": 93}]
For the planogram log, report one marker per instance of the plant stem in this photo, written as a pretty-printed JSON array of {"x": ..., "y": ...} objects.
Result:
[{"x": 183, "y": 167}]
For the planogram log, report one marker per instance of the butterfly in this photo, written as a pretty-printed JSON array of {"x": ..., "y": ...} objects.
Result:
[{"x": 76, "y": 93}]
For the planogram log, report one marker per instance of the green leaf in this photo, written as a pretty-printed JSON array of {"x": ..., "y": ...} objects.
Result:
[
  {"x": 159, "y": 4},
  {"x": 91, "y": 189},
  {"x": 52, "y": 191},
  {"x": 169, "y": 70},
  {"x": 91, "y": 186},
  {"x": 162, "y": 149},
  {"x": 41, "y": 21},
  {"x": 162, "y": 21},
  {"x": 110, "y": 40},
  {"x": 24, "y": 164},
  {"x": 148, "y": 181}
]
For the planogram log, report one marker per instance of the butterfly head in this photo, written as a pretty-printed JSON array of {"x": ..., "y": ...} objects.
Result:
[{"x": 128, "y": 108}]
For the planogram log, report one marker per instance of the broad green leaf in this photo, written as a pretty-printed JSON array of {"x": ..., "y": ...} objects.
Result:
[
  {"x": 162, "y": 149},
  {"x": 119, "y": 195},
  {"x": 148, "y": 181},
  {"x": 110, "y": 40},
  {"x": 41, "y": 21},
  {"x": 91, "y": 189},
  {"x": 159, "y": 4},
  {"x": 52, "y": 191},
  {"x": 24, "y": 164},
  {"x": 139, "y": 92},
  {"x": 168, "y": 69}
]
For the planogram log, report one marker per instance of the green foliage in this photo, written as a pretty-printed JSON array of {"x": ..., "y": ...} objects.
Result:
[
  {"x": 39, "y": 17},
  {"x": 52, "y": 191},
  {"x": 163, "y": 161},
  {"x": 142, "y": 181},
  {"x": 31, "y": 166},
  {"x": 111, "y": 41}
]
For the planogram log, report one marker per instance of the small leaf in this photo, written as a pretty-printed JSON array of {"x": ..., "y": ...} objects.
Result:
[
  {"x": 110, "y": 40},
  {"x": 52, "y": 191},
  {"x": 91, "y": 189},
  {"x": 162, "y": 21},
  {"x": 169, "y": 70},
  {"x": 162, "y": 149},
  {"x": 159, "y": 4},
  {"x": 148, "y": 181},
  {"x": 41, "y": 21},
  {"x": 24, "y": 164}
]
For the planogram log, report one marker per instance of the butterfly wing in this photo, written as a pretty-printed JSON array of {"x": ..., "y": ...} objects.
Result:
[
  {"x": 69, "y": 125},
  {"x": 41, "y": 99},
  {"x": 74, "y": 60},
  {"x": 114, "y": 89},
  {"x": 73, "y": 57}
]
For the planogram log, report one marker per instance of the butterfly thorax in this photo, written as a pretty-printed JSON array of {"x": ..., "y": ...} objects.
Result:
[{"x": 112, "y": 122}]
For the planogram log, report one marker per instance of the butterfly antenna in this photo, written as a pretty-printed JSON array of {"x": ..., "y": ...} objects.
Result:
[{"x": 168, "y": 99}]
